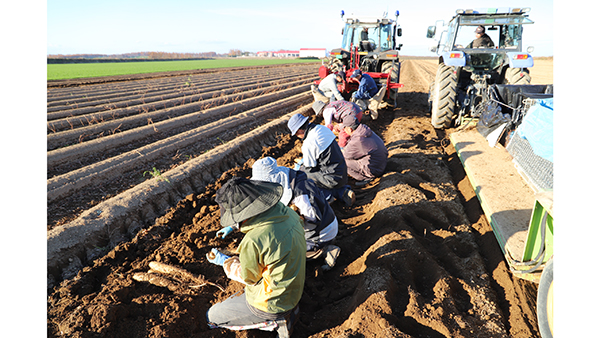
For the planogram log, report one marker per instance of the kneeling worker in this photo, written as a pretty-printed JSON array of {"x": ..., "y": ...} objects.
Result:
[
  {"x": 365, "y": 153},
  {"x": 271, "y": 262},
  {"x": 320, "y": 223},
  {"x": 322, "y": 159}
]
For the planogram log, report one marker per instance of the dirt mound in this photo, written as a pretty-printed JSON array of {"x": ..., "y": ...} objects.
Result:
[{"x": 417, "y": 259}]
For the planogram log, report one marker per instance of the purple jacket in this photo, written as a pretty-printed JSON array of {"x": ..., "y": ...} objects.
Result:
[{"x": 366, "y": 150}]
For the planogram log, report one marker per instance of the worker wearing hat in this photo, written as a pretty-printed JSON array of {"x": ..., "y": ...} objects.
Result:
[
  {"x": 320, "y": 223},
  {"x": 322, "y": 159},
  {"x": 482, "y": 40},
  {"x": 365, "y": 153},
  {"x": 328, "y": 87},
  {"x": 271, "y": 262},
  {"x": 367, "y": 89},
  {"x": 334, "y": 112}
]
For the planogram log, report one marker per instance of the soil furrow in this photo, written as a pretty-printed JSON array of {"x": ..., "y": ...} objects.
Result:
[
  {"x": 99, "y": 172},
  {"x": 82, "y": 116},
  {"x": 190, "y": 120},
  {"x": 183, "y": 84}
]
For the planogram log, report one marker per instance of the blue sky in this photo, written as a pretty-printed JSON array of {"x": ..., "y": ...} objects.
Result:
[{"x": 122, "y": 26}]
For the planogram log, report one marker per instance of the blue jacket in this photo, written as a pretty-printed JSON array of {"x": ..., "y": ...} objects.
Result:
[{"x": 367, "y": 88}]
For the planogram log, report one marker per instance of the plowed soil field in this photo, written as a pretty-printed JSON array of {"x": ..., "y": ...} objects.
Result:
[{"x": 133, "y": 167}]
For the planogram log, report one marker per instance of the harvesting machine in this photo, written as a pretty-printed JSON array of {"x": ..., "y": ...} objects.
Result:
[{"x": 505, "y": 140}]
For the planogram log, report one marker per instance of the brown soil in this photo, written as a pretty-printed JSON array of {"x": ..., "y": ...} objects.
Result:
[{"x": 418, "y": 257}]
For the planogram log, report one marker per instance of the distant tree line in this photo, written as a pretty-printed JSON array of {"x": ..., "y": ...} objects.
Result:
[
  {"x": 138, "y": 55},
  {"x": 141, "y": 56}
]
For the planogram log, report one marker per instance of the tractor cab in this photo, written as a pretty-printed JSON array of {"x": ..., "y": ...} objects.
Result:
[
  {"x": 504, "y": 26},
  {"x": 368, "y": 36}
]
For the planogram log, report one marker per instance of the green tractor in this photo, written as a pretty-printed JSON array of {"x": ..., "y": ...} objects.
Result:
[{"x": 477, "y": 48}]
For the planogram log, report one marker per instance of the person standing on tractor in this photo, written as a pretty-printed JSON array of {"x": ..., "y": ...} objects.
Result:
[
  {"x": 322, "y": 159},
  {"x": 320, "y": 223},
  {"x": 481, "y": 39},
  {"x": 365, "y": 153},
  {"x": 271, "y": 262},
  {"x": 367, "y": 88},
  {"x": 334, "y": 112},
  {"x": 328, "y": 88}
]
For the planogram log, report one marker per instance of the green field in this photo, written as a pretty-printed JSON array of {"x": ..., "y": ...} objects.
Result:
[{"x": 81, "y": 70}]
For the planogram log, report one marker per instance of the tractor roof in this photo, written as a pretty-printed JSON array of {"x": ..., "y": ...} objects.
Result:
[{"x": 500, "y": 10}]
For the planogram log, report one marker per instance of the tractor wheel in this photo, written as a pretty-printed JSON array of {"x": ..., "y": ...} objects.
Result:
[
  {"x": 392, "y": 68},
  {"x": 443, "y": 97},
  {"x": 336, "y": 65},
  {"x": 545, "y": 301},
  {"x": 517, "y": 76}
]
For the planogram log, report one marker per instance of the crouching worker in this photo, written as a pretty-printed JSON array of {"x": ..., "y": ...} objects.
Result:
[
  {"x": 365, "y": 153},
  {"x": 334, "y": 112},
  {"x": 271, "y": 261},
  {"x": 322, "y": 159},
  {"x": 320, "y": 223}
]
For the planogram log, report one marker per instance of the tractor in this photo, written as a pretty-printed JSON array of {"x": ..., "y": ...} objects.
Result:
[
  {"x": 505, "y": 139},
  {"x": 368, "y": 44},
  {"x": 466, "y": 69}
]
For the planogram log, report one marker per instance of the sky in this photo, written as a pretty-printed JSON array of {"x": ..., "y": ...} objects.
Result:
[{"x": 125, "y": 26}]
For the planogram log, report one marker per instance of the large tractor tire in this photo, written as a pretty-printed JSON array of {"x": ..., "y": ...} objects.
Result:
[
  {"x": 392, "y": 68},
  {"x": 545, "y": 301},
  {"x": 517, "y": 76},
  {"x": 443, "y": 97}
]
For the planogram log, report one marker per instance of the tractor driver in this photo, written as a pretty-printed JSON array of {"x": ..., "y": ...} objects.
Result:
[
  {"x": 365, "y": 44},
  {"x": 481, "y": 39}
]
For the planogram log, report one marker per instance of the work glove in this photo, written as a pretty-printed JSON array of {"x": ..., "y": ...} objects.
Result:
[
  {"x": 224, "y": 232},
  {"x": 219, "y": 258}
]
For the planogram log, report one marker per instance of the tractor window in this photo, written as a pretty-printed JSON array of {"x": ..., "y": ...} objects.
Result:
[
  {"x": 466, "y": 35},
  {"x": 510, "y": 36},
  {"x": 386, "y": 37}
]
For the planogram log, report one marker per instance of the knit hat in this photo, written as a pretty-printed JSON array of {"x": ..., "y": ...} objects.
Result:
[
  {"x": 318, "y": 107},
  {"x": 341, "y": 74},
  {"x": 266, "y": 169},
  {"x": 240, "y": 199},
  {"x": 350, "y": 121},
  {"x": 296, "y": 122}
]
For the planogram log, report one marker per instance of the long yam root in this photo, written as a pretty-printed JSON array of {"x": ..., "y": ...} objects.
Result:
[
  {"x": 155, "y": 279},
  {"x": 178, "y": 274}
]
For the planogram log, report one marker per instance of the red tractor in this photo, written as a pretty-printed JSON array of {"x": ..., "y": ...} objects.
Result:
[{"x": 368, "y": 44}]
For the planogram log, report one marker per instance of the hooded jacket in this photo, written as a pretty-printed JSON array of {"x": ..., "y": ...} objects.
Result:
[
  {"x": 272, "y": 260},
  {"x": 367, "y": 151},
  {"x": 323, "y": 159}
]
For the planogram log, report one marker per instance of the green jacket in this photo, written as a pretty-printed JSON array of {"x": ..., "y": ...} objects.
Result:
[{"x": 273, "y": 259}]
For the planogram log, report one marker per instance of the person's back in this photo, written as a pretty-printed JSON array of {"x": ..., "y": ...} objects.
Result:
[
  {"x": 323, "y": 158},
  {"x": 365, "y": 153},
  {"x": 272, "y": 256}
]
